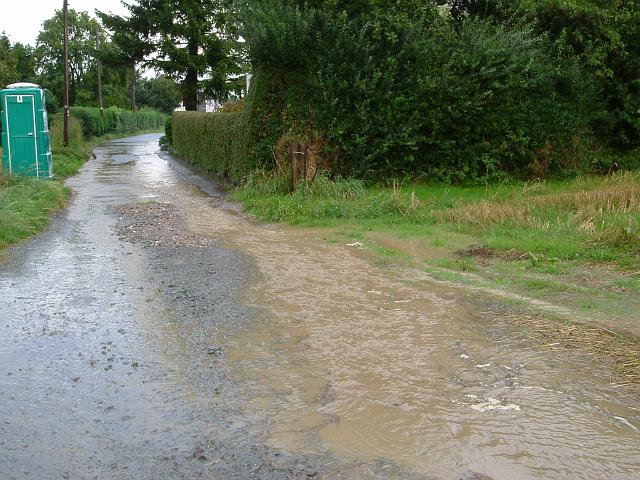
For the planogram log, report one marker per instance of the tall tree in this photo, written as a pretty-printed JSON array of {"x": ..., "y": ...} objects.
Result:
[
  {"x": 82, "y": 52},
  {"x": 26, "y": 62},
  {"x": 189, "y": 41},
  {"x": 160, "y": 93},
  {"x": 130, "y": 45},
  {"x": 8, "y": 62}
]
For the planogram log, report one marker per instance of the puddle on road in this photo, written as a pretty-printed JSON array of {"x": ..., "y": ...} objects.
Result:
[
  {"x": 122, "y": 159},
  {"x": 371, "y": 365}
]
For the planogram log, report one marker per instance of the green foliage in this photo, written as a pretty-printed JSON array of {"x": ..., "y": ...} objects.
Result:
[
  {"x": 160, "y": 93},
  {"x": 83, "y": 56},
  {"x": 56, "y": 131},
  {"x": 25, "y": 204},
  {"x": 454, "y": 105},
  {"x": 168, "y": 130},
  {"x": 116, "y": 120},
  {"x": 25, "y": 62},
  {"x": 82, "y": 52},
  {"x": 8, "y": 62},
  {"x": 603, "y": 34},
  {"x": 402, "y": 91},
  {"x": 214, "y": 142},
  {"x": 187, "y": 39},
  {"x": 282, "y": 36}
]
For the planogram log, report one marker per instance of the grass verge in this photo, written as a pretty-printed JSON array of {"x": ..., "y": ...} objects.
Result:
[
  {"x": 591, "y": 219},
  {"x": 26, "y": 203},
  {"x": 571, "y": 242}
]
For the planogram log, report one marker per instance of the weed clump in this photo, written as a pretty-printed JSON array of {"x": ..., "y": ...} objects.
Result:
[
  {"x": 324, "y": 200},
  {"x": 602, "y": 210}
]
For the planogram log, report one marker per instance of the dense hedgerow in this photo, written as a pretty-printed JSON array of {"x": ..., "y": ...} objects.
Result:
[
  {"x": 603, "y": 34},
  {"x": 397, "y": 93},
  {"x": 116, "y": 120},
  {"x": 451, "y": 104},
  {"x": 214, "y": 142},
  {"x": 395, "y": 89}
]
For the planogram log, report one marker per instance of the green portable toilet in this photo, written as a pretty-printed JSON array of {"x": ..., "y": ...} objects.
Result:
[{"x": 26, "y": 147}]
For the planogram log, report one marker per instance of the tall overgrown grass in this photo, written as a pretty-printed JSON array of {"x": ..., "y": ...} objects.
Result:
[
  {"x": 603, "y": 210},
  {"x": 586, "y": 219},
  {"x": 325, "y": 200},
  {"x": 25, "y": 205}
]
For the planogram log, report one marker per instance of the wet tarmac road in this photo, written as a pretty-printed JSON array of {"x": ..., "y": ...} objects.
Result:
[
  {"x": 106, "y": 362},
  {"x": 154, "y": 333}
]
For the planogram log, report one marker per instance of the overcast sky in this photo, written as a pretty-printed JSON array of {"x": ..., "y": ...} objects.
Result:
[{"x": 21, "y": 20}]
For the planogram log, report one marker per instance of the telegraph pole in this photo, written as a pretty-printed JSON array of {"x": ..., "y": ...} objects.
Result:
[
  {"x": 133, "y": 86},
  {"x": 99, "y": 66},
  {"x": 65, "y": 11}
]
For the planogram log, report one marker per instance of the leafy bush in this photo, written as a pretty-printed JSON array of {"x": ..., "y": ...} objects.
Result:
[
  {"x": 116, "y": 120},
  {"x": 451, "y": 104},
  {"x": 604, "y": 35},
  {"x": 398, "y": 93},
  {"x": 213, "y": 142}
]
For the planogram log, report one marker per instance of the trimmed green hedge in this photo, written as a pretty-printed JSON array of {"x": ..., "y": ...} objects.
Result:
[
  {"x": 214, "y": 142},
  {"x": 116, "y": 120}
]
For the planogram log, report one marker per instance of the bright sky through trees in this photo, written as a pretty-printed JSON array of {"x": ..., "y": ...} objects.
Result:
[{"x": 22, "y": 20}]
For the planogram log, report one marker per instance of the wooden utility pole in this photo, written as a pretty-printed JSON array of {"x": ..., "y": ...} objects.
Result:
[
  {"x": 65, "y": 10},
  {"x": 99, "y": 68},
  {"x": 133, "y": 86}
]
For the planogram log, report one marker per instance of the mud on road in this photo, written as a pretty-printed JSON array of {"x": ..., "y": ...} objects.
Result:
[{"x": 153, "y": 332}]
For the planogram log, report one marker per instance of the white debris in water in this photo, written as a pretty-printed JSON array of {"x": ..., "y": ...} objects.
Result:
[
  {"x": 484, "y": 365},
  {"x": 626, "y": 422},
  {"x": 493, "y": 404},
  {"x": 354, "y": 244}
]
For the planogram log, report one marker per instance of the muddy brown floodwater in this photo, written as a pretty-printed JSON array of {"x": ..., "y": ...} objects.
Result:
[{"x": 258, "y": 351}]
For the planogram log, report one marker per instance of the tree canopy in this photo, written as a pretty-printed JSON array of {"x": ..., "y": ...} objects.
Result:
[
  {"x": 160, "y": 93},
  {"x": 186, "y": 39},
  {"x": 8, "y": 62},
  {"x": 82, "y": 54}
]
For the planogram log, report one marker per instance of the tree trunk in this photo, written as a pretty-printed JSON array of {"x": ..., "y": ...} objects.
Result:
[
  {"x": 134, "y": 107},
  {"x": 190, "y": 86},
  {"x": 190, "y": 92}
]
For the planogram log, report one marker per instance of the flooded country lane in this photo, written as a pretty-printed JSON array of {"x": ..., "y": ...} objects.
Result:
[{"x": 155, "y": 333}]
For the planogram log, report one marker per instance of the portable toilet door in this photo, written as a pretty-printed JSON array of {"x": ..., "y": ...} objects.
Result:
[{"x": 25, "y": 132}]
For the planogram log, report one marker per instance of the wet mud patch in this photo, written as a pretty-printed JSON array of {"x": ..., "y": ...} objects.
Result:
[
  {"x": 200, "y": 283},
  {"x": 620, "y": 354},
  {"x": 485, "y": 254},
  {"x": 156, "y": 224},
  {"x": 370, "y": 363}
]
